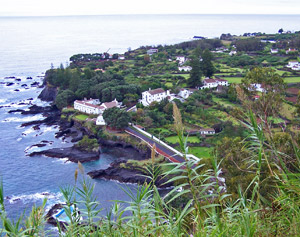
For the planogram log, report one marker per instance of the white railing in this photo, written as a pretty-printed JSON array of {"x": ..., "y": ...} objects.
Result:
[{"x": 163, "y": 143}]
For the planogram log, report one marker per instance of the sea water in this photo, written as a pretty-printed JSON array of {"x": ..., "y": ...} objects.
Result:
[{"x": 29, "y": 45}]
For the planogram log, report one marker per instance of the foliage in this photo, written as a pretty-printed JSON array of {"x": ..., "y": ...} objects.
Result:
[
  {"x": 116, "y": 118},
  {"x": 88, "y": 144}
]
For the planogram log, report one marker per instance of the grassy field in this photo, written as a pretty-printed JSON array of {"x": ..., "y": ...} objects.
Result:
[
  {"x": 174, "y": 139},
  {"x": 233, "y": 79},
  {"x": 81, "y": 117},
  {"x": 223, "y": 102},
  {"x": 287, "y": 111},
  {"x": 201, "y": 152},
  {"x": 292, "y": 79}
]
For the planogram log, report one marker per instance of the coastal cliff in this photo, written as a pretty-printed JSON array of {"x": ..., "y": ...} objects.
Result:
[{"x": 48, "y": 93}]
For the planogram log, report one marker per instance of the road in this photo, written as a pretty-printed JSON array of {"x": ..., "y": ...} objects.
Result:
[{"x": 172, "y": 156}]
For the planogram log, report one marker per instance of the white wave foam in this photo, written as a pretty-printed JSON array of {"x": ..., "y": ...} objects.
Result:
[
  {"x": 28, "y": 131},
  {"x": 23, "y": 119},
  {"x": 3, "y": 100},
  {"x": 62, "y": 160},
  {"x": 33, "y": 197}
]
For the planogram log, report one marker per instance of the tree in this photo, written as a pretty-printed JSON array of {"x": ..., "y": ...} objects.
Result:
[
  {"x": 280, "y": 31},
  {"x": 270, "y": 100},
  {"x": 207, "y": 67},
  {"x": 64, "y": 98},
  {"x": 195, "y": 73},
  {"x": 116, "y": 118}
]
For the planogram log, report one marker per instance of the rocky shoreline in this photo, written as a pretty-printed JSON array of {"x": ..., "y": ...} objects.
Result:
[
  {"x": 75, "y": 131},
  {"x": 126, "y": 175}
]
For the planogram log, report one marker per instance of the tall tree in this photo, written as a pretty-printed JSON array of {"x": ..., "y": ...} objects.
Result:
[
  {"x": 116, "y": 118},
  {"x": 196, "y": 73},
  {"x": 207, "y": 67}
]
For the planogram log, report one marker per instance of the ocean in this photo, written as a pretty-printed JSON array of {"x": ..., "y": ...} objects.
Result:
[{"x": 29, "y": 45}]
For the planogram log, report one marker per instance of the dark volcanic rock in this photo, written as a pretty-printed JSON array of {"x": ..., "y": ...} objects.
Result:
[
  {"x": 9, "y": 83},
  {"x": 17, "y": 79},
  {"x": 29, "y": 78},
  {"x": 125, "y": 175},
  {"x": 16, "y": 90},
  {"x": 72, "y": 153},
  {"x": 35, "y": 84},
  {"x": 48, "y": 94}
]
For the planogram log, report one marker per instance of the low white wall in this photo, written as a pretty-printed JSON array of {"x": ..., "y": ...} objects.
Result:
[{"x": 163, "y": 143}]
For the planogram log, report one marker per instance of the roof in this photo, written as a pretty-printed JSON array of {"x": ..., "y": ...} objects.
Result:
[
  {"x": 88, "y": 104},
  {"x": 111, "y": 104},
  {"x": 209, "y": 80},
  {"x": 156, "y": 91}
]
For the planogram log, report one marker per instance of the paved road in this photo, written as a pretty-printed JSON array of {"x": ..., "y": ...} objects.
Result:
[{"x": 172, "y": 156}]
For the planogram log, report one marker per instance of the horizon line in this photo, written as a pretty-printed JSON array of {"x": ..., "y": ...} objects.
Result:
[{"x": 141, "y": 14}]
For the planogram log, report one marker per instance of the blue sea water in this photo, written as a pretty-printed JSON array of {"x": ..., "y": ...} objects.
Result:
[{"x": 29, "y": 45}]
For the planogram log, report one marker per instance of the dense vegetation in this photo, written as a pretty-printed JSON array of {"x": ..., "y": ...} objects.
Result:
[{"x": 246, "y": 180}]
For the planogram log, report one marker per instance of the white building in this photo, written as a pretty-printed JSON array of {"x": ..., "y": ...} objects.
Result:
[
  {"x": 154, "y": 95},
  {"x": 233, "y": 52},
  {"x": 294, "y": 65},
  {"x": 257, "y": 87},
  {"x": 213, "y": 83},
  {"x": 180, "y": 59},
  {"x": 106, "y": 105},
  {"x": 88, "y": 106},
  {"x": 186, "y": 92},
  {"x": 152, "y": 51},
  {"x": 185, "y": 68},
  {"x": 207, "y": 131},
  {"x": 91, "y": 107},
  {"x": 273, "y": 51}
]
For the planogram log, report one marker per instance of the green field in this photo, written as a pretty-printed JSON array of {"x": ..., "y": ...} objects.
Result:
[
  {"x": 174, "y": 139},
  {"x": 223, "y": 102},
  {"x": 201, "y": 152},
  {"x": 81, "y": 117},
  {"x": 292, "y": 79},
  {"x": 233, "y": 79}
]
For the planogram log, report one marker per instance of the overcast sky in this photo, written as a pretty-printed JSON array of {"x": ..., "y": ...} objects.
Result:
[{"x": 100, "y": 7}]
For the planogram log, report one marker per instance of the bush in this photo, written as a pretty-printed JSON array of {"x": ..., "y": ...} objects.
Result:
[{"x": 87, "y": 144}]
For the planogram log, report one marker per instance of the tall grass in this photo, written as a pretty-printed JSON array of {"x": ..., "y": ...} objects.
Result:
[{"x": 198, "y": 204}]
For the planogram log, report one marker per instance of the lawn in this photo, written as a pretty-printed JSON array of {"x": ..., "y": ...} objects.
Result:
[
  {"x": 174, "y": 139},
  {"x": 201, "y": 152},
  {"x": 81, "y": 117},
  {"x": 233, "y": 79},
  {"x": 292, "y": 79}
]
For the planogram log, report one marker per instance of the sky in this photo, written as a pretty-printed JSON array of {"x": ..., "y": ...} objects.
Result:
[{"x": 108, "y": 7}]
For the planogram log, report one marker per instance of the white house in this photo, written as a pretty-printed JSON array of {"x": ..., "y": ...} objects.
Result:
[
  {"x": 180, "y": 59},
  {"x": 185, "y": 68},
  {"x": 233, "y": 52},
  {"x": 273, "y": 51},
  {"x": 294, "y": 65},
  {"x": 257, "y": 87},
  {"x": 121, "y": 57},
  {"x": 154, "y": 95},
  {"x": 213, "y": 83},
  {"x": 207, "y": 131},
  {"x": 210, "y": 83},
  {"x": 185, "y": 93},
  {"x": 152, "y": 51},
  {"x": 106, "y": 105},
  {"x": 88, "y": 106}
]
